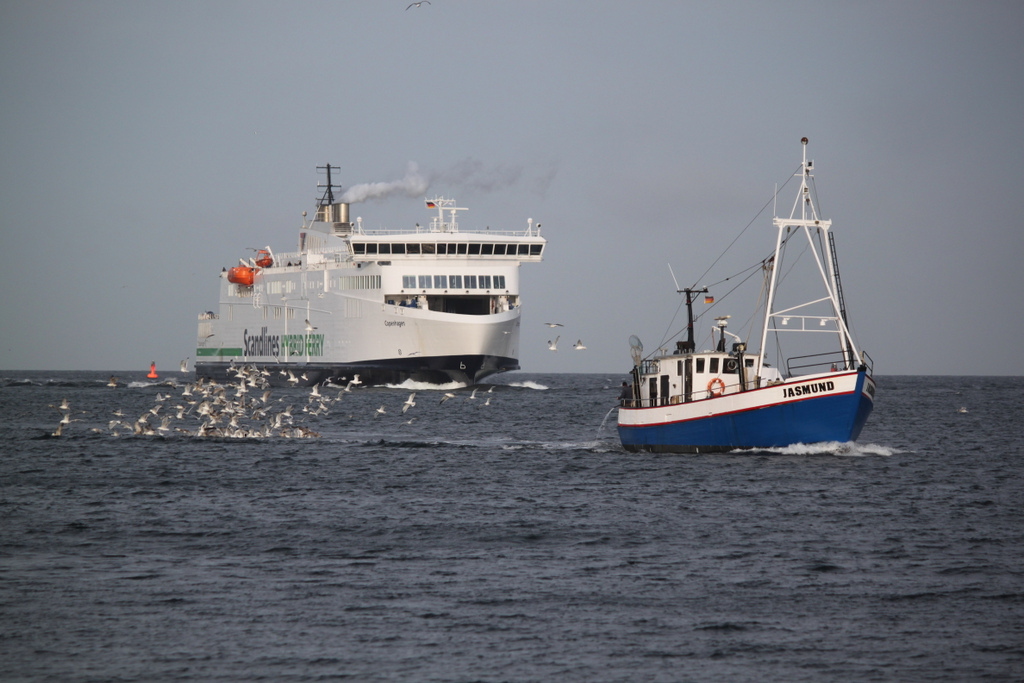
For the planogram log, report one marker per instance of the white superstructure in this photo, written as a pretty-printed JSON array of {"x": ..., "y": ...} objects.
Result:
[{"x": 434, "y": 304}]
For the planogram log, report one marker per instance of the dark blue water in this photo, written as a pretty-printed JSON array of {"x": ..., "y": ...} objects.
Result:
[{"x": 510, "y": 541}]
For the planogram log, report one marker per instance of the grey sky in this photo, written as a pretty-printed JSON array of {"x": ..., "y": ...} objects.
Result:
[{"x": 146, "y": 145}]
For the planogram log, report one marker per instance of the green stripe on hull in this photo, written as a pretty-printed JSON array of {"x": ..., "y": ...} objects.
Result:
[{"x": 222, "y": 353}]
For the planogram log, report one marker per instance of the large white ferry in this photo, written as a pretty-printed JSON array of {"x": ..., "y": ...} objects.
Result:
[{"x": 434, "y": 304}]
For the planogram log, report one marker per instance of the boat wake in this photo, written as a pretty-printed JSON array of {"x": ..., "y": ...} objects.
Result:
[
  {"x": 842, "y": 448},
  {"x": 528, "y": 385},
  {"x": 410, "y": 385}
]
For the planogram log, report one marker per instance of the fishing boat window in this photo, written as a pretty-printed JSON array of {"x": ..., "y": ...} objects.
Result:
[
  {"x": 487, "y": 249},
  {"x": 700, "y": 365},
  {"x": 474, "y": 249},
  {"x": 408, "y": 281},
  {"x": 730, "y": 366},
  {"x": 455, "y": 281},
  {"x": 713, "y": 366},
  {"x": 499, "y": 249},
  {"x": 440, "y": 282},
  {"x": 424, "y": 282},
  {"x": 485, "y": 282},
  {"x": 412, "y": 248},
  {"x": 471, "y": 282}
]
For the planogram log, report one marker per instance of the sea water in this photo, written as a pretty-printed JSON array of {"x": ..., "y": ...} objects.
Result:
[{"x": 505, "y": 536}]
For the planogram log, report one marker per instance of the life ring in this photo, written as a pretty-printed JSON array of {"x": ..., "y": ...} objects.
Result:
[{"x": 716, "y": 387}]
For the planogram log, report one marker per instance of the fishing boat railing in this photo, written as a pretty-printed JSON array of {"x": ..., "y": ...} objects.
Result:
[{"x": 832, "y": 361}]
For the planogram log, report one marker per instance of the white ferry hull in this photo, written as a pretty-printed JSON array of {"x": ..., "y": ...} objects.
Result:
[{"x": 387, "y": 345}]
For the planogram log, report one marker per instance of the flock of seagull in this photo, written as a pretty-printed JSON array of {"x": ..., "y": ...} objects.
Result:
[
  {"x": 241, "y": 408},
  {"x": 553, "y": 345}
]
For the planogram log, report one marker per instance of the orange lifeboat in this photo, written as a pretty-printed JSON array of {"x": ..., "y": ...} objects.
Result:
[
  {"x": 242, "y": 275},
  {"x": 264, "y": 259}
]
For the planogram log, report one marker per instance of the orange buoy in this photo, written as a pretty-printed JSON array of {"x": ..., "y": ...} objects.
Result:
[{"x": 152, "y": 371}]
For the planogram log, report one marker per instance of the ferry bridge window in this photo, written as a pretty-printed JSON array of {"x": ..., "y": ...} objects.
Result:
[
  {"x": 535, "y": 249},
  {"x": 358, "y": 248},
  {"x": 441, "y": 282},
  {"x": 499, "y": 282},
  {"x": 398, "y": 248},
  {"x": 499, "y": 249},
  {"x": 408, "y": 281},
  {"x": 461, "y": 248},
  {"x": 384, "y": 248},
  {"x": 428, "y": 248},
  {"x": 474, "y": 249},
  {"x": 455, "y": 281},
  {"x": 470, "y": 281},
  {"x": 524, "y": 249},
  {"x": 442, "y": 248},
  {"x": 412, "y": 248},
  {"x": 485, "y": 282},
  {"x": 486, "y": 249},
  {"x": 424, "y": 282},
  {"x": 371, "y": 248}
]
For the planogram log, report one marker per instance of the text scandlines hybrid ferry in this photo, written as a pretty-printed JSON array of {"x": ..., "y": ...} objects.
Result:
[{"x": 432, "y": 304}]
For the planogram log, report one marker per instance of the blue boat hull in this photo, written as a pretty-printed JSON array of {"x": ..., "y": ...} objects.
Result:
[{"x": 832, "y": 417}]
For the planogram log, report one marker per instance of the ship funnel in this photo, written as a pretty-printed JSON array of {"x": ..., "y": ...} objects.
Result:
[{"x": 337, "y": 214}]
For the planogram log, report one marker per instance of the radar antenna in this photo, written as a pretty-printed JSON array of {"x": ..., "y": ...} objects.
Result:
[
  {"x": 636, "y": 349},
  {"x": 328, "y": 196}
]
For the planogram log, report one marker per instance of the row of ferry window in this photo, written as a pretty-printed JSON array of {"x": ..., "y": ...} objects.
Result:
[
  {"x": 450, "y": 248},
  {"x": 453, "y": 282}
]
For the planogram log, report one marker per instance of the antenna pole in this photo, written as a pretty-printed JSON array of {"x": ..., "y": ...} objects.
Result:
[{"x": 690, "y": 346}]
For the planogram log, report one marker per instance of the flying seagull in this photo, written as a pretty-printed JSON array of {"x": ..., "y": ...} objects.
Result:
[
  {"x": 579, "y": 345},
  {"x": 554, "y": 324},
  {"x": 553, "y": 345},
  {"x": 417, "y": 4}
]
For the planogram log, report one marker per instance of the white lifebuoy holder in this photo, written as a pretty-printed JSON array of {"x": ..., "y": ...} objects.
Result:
[{"x": 716, "y": 387}]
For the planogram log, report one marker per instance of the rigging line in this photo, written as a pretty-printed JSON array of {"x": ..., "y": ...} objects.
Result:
[{"x": 756, "y": 216}]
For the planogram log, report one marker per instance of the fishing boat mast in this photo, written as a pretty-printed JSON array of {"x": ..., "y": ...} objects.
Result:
[{"x": 805, "y": 215}]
